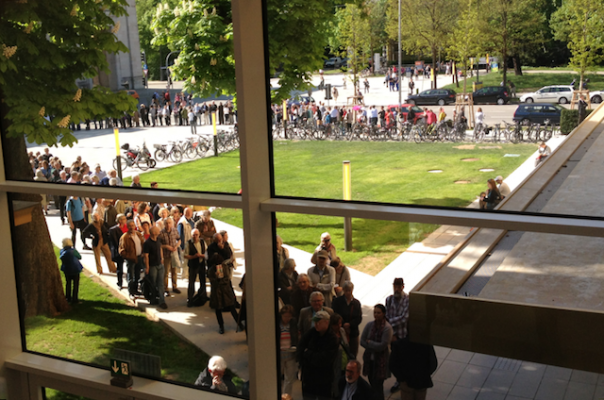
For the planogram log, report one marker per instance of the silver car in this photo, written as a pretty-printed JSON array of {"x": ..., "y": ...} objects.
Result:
[{"x": 550, "y": 94}]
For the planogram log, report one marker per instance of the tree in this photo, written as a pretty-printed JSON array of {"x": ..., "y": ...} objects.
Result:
[
  {"x": 46, "y": 46},
  {"x": 426, "y": 25},
  {"x": 466, "y": 38},
  {"x": 202, "y": 32},
  {"x": 354, "y": 34},
  {"x": 156, "y": 55},
  {"x": 511, "y": 27},
  {"x": 377, "y": 23},
  {"x": 581, "y": 22}
]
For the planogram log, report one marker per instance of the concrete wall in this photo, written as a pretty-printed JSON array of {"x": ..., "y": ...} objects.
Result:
[{"x": 126, "y": 67}]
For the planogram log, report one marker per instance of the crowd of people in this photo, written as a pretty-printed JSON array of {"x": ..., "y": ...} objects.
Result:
[
  {"x": 163, "y": 110},
  {"x": 158, "y": 240},
  {"x": 154, "y": 244},
  {"x": 320, "y": 334}
]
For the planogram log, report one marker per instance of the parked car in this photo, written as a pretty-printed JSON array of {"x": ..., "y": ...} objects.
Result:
[
  {"x": 538, "y": 113},
  {"x": 491, "y": 94},
  {"x": 306, "y": 100},
  {"x": 419, "y": 113},
  {"x": 433, "y": 96},
  {"x": 597, "y": 96},
  {"x": 550, "y": 94},
  {"x": 333, "y": 62},
  {"x": 134, "y": 94}
]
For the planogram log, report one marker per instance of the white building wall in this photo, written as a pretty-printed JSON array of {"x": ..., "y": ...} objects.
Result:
[{"x": 126, "y": 67}]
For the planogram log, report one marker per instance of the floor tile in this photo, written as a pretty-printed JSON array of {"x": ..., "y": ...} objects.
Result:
[
  {"x": 509, "y": 397},
  {"x": 442, "y": 352},
  {"x": 487, "y": 394},
  {"x": 449, "y": 372},
  {"x": 440, "y": 391},
  {"x": 499, "y": 381},
  {"x": 484, "y": 360},
  {"x": 553, "y": 372},
  {"x": 463, "y": 393},
  {"x": 551, "y": 389},
  {"x": 473, "y": 376},
  {"x": 460, "y": 355},
  {"x": 526, "y": 382},
  {"x": 584, "y": 377},
  {"x": 507, "y": 364},
  {"x": 579, "y": 391},
  {"x": 599, "y": 394},
  {"x": 533, "y": 367},
  {"x": 600, "y": 379}
]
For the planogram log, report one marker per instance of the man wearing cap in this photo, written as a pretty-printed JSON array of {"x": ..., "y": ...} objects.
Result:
[
  {"x": 317, "y": 353},
  {"x": 503, "y": 187},
  {"x": 397, "y": 314},
  {"x": 305, "y": 321},
  {"x": 323, "y": 277}
]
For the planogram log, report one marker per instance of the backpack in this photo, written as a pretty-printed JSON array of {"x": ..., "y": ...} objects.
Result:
[{"x": 328, "y": 118}]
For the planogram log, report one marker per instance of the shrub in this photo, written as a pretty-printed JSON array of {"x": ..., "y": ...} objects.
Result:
[{"x": 569, "y": 120}]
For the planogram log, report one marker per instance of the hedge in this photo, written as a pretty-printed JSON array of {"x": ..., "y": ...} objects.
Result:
[{"x": 569, "y": 120}]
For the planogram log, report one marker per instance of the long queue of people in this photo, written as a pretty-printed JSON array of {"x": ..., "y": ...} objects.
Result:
[
  {"x": 158, "y": 241},
  {"x": 320, "y": 334},
  {"x": 162, "y": 110}
]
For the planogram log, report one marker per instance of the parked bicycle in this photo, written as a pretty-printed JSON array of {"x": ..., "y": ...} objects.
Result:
[{"x": 140, "y": 158}]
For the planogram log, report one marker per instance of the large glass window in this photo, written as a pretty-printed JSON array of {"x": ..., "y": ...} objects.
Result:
[{"x": 89, "y": 294}]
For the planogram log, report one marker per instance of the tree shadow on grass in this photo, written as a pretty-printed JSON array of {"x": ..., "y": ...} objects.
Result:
[
  {"x": 444, "y": 202},
  {"x": 118, "y": 325}
]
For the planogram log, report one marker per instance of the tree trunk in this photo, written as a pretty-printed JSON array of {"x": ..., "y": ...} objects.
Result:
[
  {"x": 517, "y": 65},
  {"x": 434, "y": 66},
  {"x": 37, "y": 272}
]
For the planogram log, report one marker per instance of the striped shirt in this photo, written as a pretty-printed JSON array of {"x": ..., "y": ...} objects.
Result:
[{"x": 397, "y": 312}]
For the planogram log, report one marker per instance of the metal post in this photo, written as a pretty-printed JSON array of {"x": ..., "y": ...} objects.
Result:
[
  {"x": 116, "y": 133},
  {"x": 285, "y": 119},
  {"x": 215, "y": 134},
  {"x": 400, "y": 75},
  {"x": 347, "y": 188}
]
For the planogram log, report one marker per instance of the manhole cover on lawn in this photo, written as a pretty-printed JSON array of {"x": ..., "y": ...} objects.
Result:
[
  {"x": 512, "y": 155},
  {"x": 486, "y": 170},
  {"x": 435, "y": 171},
  {"x": 462, "y": 182},
  {"x": 470, "y": 159},
  {"x": 465, "y": 147},
  {"x": 489, "y": 147}
]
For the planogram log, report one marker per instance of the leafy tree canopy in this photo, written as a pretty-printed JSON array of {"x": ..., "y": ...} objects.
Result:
[
  {"x": 581, "y": 23},
  {"x": 202, "y": 31},
  {"x": 45, "y": 47}
]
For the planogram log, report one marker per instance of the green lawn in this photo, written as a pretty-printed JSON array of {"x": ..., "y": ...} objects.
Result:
[
  {"x": 102, "y": 322},
  {"x": 388, "y": 172},
  {"x": 528, "y": 82}
]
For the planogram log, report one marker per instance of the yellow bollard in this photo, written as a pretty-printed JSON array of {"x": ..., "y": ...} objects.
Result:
[
  {"x": 347, "y": 188},
  {"x": 215, "y": 134}
]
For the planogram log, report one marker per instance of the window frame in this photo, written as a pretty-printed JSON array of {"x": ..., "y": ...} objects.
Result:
[{"x": 259, "y": 204}]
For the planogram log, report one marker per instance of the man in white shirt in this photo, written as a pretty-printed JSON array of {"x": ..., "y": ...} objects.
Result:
[{"x": 503, "y": 187}]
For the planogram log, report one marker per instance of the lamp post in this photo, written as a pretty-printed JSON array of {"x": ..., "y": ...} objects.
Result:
[{"x": 400, "y": 75}]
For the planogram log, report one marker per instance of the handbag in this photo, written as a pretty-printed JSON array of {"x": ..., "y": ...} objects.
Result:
[{"x": 175, "y": 260}]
